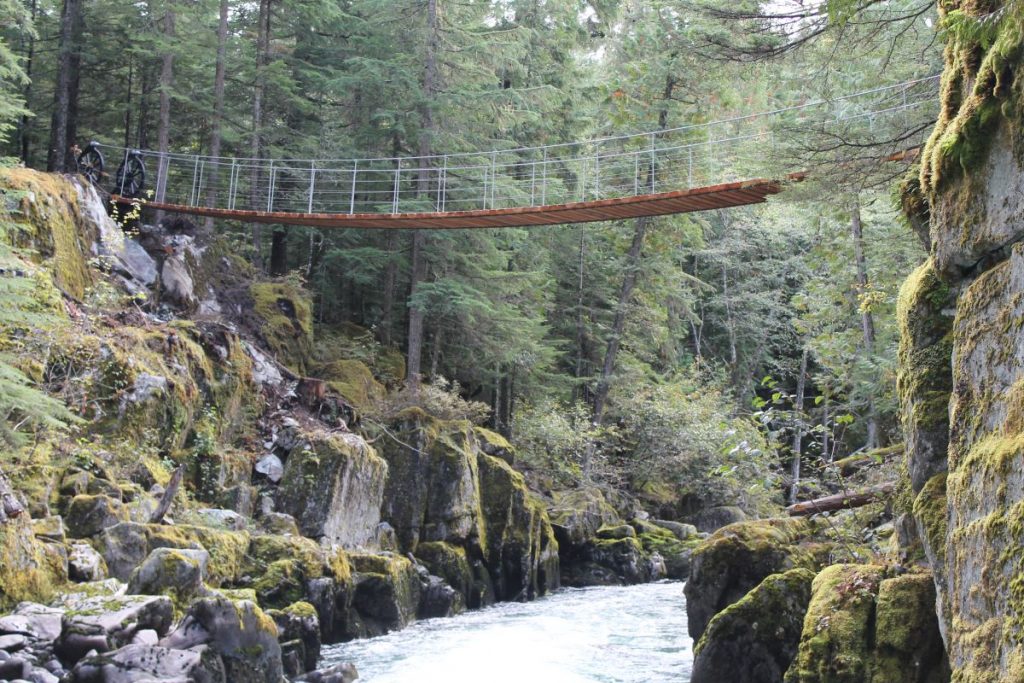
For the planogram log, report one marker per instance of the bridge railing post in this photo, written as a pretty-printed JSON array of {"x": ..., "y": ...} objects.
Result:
[
  {"x": 689, "y": 167},
  {"x": 270, "y": 187},
  {"x": 442, "y": 183},
  {"x": 653, "y": 163},
  {"x": 312, "y": 185},
  {"x": 398, "y": 178},
  {"x": 352, "y": 194},
  {"x": 232, "y": 184},
  {"x": 544, "y": 179},
  {"x": 494, "y": 175}
]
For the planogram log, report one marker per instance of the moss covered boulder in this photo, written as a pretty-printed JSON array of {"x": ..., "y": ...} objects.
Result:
[
  {"x": 736, "y": 558},
  {"x": 387, "y": 591},
  {"x": 519, "y": 545},
  {"x": 863, "y": 626},
  {"x": 451, "y": 564},
  {"x": 284, "y": 316},
  {"x": 924, "y": 381},
  {"x": 353, "y": 380},
  {"x": 433, "y": 489},
  {"x": 240, "y": 633},
  {"x": 755, "y": 639},
  {"x": 333, "y": 486},
  {"x": 29, "y": 569},
  {"x": 126, "y": 545}
]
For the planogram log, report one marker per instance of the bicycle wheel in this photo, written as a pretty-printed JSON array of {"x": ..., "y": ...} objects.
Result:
[
  {"x": 90, "y": 164},
  {"x": 131, "y": 176}
]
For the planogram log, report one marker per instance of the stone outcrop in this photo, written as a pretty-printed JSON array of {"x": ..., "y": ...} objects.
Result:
[
  {"x": 961, "y": 365},
  {"x": 333, "y": 486},
  {"x": 736, "y": 558},
  {"x": 864, "y": 625},
  {"x": 755, "y": 639}
]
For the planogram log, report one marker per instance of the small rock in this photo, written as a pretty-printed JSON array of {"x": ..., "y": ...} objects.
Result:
[
  {"x": 280, "y": 524},
  {"x": 271, "y": 467},
  {"x": 681, "y": 531},
  {"x": 42, "y": 676},
  {"x": 713, "y": 519},
  {"x": 50, "y": 529},
  {"x": 170, "y": 571},
  {"x": 85, "y": 564},
  {"x": 14, "y": 668},
  {"x": 339, "y": 673},
  {"x": 224, "y": 519},
  {"x": 13, "y": 642},
  {"x": 89, "y": 515},
  {"x": 38, "y": 622},
  {"x": 146, "y": 636},
  {"x": 264, "y": 371}
]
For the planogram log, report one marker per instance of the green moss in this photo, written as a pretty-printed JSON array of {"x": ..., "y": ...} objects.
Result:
[
  {"x": 301, "y": 609},
  {"x": 286, "y": 314},
  {"x": 47, "y": 220},
  {"x": 28, "y": 571},
  {"x": 282, "y": 583},
  {"x": 265, "y": 550},
  {"x": 353, "y": 380},
  {"x": 930, "y": 509},
  {"x": 494, "y": 439},
  {"x": 449, "y": 562},
  {"x": 772, "y": 614}
]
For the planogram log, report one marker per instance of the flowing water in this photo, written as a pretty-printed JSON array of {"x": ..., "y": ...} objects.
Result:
[{"x": 634, "y": 634}]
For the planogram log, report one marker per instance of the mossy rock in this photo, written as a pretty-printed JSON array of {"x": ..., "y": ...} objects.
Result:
[
  {"x": 44, "y": 211},
  {"x": 286, "y": 314},
  {"x": 282, "y": 583},
  {"x": 864, "y": 625},
  {"x": 924, "y": 380},
  {"x": 354, "y": 381},
  {"x": 450, "y": 563},
  {"x": 755, "y": 639},
  {"x": 577, "y": 515},
  {"x": 387, "y": 591},
  {"x": 733, "y": 560},
  {"x": 616, "y": 532},
  {"x": 264, "y": 550},
  {"x": 333, "y": 486},
  {"x": 29, "y": 569},
  {"x": 125, "y": 546}
]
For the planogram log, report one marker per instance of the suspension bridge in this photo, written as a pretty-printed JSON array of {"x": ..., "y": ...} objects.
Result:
[{"x": 719, "y": 164}]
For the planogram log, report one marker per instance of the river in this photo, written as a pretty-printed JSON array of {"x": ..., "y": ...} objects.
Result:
[{"x": 634, "y": 634}]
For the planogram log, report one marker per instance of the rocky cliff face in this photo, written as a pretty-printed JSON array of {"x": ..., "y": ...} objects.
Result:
[
  {"x": 183, "y": 365},
  {"x": 962, "y": 361}
]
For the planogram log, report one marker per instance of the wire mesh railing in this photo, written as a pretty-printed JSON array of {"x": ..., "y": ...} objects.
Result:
[{"x": 686, "y": 157}]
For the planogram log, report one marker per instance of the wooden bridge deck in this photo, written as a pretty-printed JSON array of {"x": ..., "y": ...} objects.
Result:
[{"x": 680, "y": 201}]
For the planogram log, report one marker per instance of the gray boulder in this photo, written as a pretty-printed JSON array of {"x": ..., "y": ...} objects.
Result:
[
  {"x": 240, "y": 632},
  {"x": 298, "y": 628},
  {"x": 713, "y": 519},
  {"x": 148, "y": 663},
  {"x": 106, "y": 623},
  {"x": 339, "y": 673},
  {"x": 170, "y": 571},
  {"x": 85, "y": 564},
  {"x": 38, "y": 622},
  {"x": 89, "y": 515}
]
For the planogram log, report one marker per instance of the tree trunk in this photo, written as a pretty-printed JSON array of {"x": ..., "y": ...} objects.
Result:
[
  {"x": 798, "y": 429},
  {"x": 867, "y": 320},
  {"x": 580, "y": 329},
  {"x": 216, "y": 129},
  {"x": 619, "y": 321},
  {"x": 279, "y": 251},
  {"x": 414, "y": 352},
  {"x": 419, "y": 238},
  {"x": 388, "y": 294},
  {"x": 30, "y": 51},
  {"x": 258, "y": 93},
  {"x": 163, "y": 126},
  {"x": 63, "y": 108}
]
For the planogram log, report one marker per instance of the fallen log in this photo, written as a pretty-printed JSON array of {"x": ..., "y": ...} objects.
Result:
[{"x": 841, "y": 501}]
